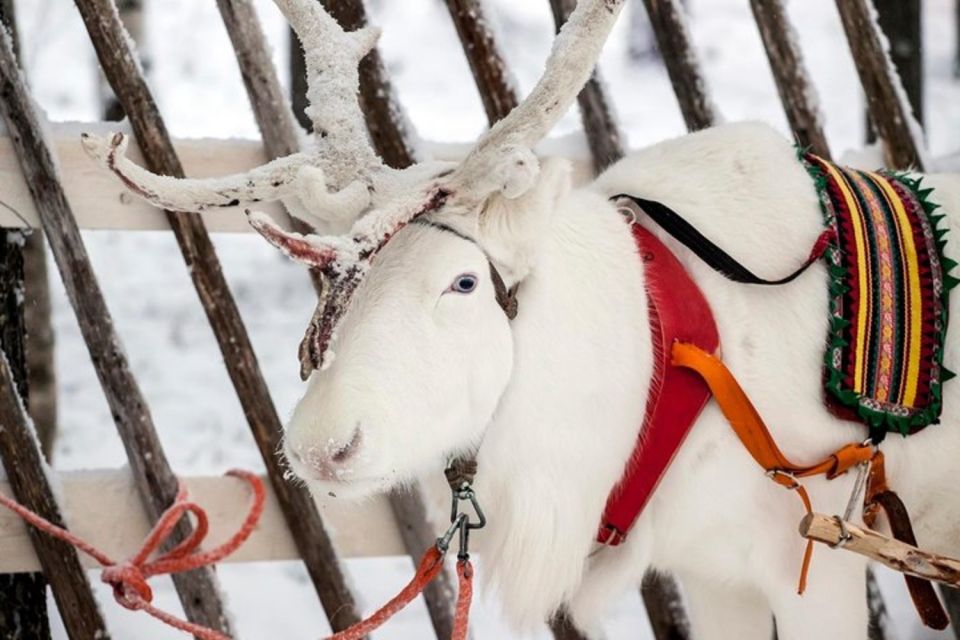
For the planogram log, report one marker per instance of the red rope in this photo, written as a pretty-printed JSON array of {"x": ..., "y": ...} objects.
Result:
[
  {"x": 430, "y": 566},
  {"x": 461, "y": 614},
  {"x": 129, "y": 578}
]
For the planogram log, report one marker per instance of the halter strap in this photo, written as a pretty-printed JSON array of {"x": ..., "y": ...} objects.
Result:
[
  {"x": 715, "y": 257},
  {"x": 506, "y": 297}
]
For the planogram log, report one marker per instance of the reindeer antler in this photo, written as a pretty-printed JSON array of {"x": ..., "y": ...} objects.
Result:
[
  {"x": 575, "y": 52},
  {"x": 342, "y": 177}
]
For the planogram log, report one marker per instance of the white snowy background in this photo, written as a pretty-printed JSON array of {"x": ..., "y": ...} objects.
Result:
[{"x": 172, "y": 351}]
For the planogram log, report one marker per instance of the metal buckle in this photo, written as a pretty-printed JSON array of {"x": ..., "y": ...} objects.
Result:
[
  {"x": 460, "y": 521},
  {"x": 773, "y": 473}
]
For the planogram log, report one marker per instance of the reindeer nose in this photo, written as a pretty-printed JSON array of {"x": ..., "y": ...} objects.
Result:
[
  {"x": 348, "y": 450},
  {"x": 324, "y": 462}
]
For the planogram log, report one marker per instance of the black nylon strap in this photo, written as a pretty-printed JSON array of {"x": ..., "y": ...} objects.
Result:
[{"x": 715, "y": 257}]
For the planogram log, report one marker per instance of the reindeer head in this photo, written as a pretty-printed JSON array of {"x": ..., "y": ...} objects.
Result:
[{"x": 410, "y": 348}]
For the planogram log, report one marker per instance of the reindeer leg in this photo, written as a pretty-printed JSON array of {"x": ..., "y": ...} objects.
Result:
[
  {"x": 727, "y": 612},
  {"x": 834, "y": 605}
]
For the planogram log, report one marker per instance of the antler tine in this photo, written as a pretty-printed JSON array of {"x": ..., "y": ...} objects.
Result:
[
  {"x": 568, "y": 67},
  {"x": 332, "y": 58}
]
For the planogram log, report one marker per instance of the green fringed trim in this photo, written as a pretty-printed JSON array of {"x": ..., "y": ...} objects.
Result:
[
  {"x": 931, "y": 415},
  {"x": 877, "y": 420}
]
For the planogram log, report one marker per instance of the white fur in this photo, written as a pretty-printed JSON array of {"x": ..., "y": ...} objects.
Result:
[{"x": 557, "y": 396}]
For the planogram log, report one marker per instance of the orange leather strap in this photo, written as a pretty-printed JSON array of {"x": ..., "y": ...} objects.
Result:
[{"x": 756, "y": 438}]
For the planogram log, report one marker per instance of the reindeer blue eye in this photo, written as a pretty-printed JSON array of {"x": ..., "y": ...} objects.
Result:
[{"x": 464, "y": 283}]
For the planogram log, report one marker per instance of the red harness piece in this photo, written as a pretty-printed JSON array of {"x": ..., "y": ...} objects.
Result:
[{"x": 678, "y": 312}]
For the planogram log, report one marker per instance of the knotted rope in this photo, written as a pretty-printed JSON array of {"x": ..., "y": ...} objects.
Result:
[{"x": 129, "y": 578}]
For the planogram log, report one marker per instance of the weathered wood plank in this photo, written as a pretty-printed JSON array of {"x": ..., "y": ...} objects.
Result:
[
  {"x": 596, "y": 112},
  {"x": 123, "y": 73},
  {"x": 670, "y": 28},
  {"x": 888, "y": 111},
  {"x": 797, "y": 93},
  {"x": 486, "y": 62},
  {"x": 100, "y": 201},
  {"x": 23, "y": 597},
  {"x": 104, "y": 508},
  {"x": 155, "y": 480},
  {"x": 28, "y": 484}
]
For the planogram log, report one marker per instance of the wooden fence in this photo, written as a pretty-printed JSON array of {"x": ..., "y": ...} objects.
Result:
[{"x": 50, "y": 185}]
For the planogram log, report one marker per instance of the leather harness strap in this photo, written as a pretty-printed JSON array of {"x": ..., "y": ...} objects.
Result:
[
  {"x": 757, "y": 440},
  {"x": 879, "y": 496}
]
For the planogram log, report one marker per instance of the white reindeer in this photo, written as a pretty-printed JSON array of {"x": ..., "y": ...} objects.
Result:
[{"x": 428, "y": 366}]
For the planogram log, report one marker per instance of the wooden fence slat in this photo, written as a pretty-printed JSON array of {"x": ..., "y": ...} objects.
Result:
[
  {"x": 23, "y": 596},
  {"x": 105, "y": 509},
  {"x": 278, "y": 131},
  {"x": 599, "y": 123},
  {"x": 155, "y": 480},
  {"x": 901, "y": 22},
  {"x": 486, "y": 62},
  {"x": 790, "y": 75},
  {"x": 669, "y": 26},
  {"x": 23, "y": 462},
  {"x": 41, "y": 372},
  {"x": 888, "y": 111},
  {"x": 119, "y": 65}
]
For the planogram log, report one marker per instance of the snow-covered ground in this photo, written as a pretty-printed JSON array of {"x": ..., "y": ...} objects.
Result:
[{"x": 171, "y": 349}]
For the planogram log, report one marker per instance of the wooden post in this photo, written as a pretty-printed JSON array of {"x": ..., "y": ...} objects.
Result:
[
  {"x": 41, "y": 366},
  {"x": 277, "y": 130},
  {"x": 901, "y": 22},
  {"x": 669, "y": 26},
  {"x": 23, "y": 596},
  {"x": 131, "y": 15},
  {"x": 793, "y": 84},
  {"x": 119, "y": 65},
  {"x": 889, "y": 113},
  {"x": 41, "y": 377},
  {"x": 155, "y": 480},
  {"x": 24, "y": 465},
  {"x": 484, "y": 57},
  {"x": 599, "y": 124}
]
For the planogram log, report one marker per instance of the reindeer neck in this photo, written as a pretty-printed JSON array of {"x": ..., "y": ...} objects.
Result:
[{"x": 569, "y": 417}]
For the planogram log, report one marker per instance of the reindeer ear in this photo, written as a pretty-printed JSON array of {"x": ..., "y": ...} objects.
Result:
[{"x": 511, "y": 227}]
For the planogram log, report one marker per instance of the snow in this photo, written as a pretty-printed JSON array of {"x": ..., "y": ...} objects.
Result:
[{"x": 166, "y": 336}]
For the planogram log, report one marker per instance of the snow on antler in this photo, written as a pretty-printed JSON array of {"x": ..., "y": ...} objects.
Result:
[
  {"x": 332, "y": 58},
  {"x": 572, "y": 59},
  {"x": 271, "y": 181},
  {"x": 333, "y": 180},
  {"x": 341, "y": 178}
]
